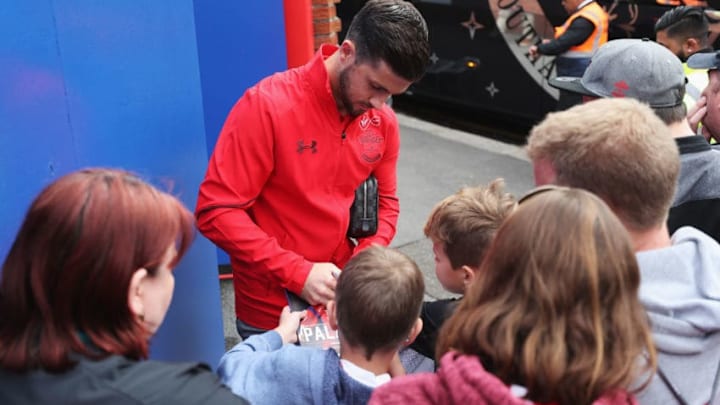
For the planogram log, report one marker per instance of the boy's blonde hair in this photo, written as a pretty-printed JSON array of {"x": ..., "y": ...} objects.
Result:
[
  {"x": 619, "y": 150},
  {"x": 465, "y": 222}
]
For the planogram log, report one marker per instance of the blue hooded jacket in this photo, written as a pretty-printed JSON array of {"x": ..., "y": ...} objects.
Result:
[{"x": 264, "y": 371}]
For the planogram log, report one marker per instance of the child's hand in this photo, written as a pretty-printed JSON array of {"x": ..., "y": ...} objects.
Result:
[{"x": 289, "y": 323}]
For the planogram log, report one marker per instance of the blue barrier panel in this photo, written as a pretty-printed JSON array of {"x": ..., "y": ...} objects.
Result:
[
  {"x": 116, "y": 84},
  {"x": 239, "y": 43},
  {"x": 35, "y": 137}
]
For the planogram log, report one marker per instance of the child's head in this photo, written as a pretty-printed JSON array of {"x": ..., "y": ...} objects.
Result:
[
  {"x": 555, "y": 305},
  {"x": 461, "y": 228},
  {"x": 378, "y": 298}
]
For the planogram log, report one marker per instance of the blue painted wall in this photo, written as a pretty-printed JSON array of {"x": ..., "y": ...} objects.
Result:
[{"x": 118, "y": 83}]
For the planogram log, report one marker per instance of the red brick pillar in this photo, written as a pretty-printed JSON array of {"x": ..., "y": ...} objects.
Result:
[{"x": 326, "y": 23}]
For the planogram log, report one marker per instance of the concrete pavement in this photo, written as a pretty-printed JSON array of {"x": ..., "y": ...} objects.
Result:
[{"x": 434, "y": 162}]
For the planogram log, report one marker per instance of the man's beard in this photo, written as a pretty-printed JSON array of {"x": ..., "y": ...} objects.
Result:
[
  {"x": 681, "y": 55},
  {"x": 345, "y": 101}
]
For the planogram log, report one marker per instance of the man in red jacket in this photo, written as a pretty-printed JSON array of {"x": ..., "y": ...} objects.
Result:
[{"x": 282, "y": 177}]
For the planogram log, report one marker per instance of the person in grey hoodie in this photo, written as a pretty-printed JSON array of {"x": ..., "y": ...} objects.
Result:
[
  {"x": 681, "y": 291},
  {"x": 376, "y": 312},
  {"x": 620, "y": 150}
]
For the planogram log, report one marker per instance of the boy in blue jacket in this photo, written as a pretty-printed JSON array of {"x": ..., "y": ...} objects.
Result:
[{"x": 376, "y": 312}]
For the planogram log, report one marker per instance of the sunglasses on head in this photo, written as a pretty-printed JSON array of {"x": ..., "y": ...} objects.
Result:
[{"x": 539, "y": 190}]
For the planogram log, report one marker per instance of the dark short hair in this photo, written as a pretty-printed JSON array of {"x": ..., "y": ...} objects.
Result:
[
  {"x": 379, "y": 295},
  {"x": 671, "y": 115},
  {"x": 65, "y": 282},
  {"x": 393, "y": 31},
  {"x": 684, "y": 22}
]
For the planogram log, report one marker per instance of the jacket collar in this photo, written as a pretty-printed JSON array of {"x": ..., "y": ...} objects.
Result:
[
  {"x": 317, "y": 78},
  {"x": 692, "y": 144}
]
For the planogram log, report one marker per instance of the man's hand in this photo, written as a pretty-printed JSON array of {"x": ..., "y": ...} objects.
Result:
[
  {"x": 320, "y": 284},
  {"x": 534, "y": 52},
  {"x": 697, "y": 113},
  {"x": 289, "y": 323},
  {"x": 695, "y": 117}
]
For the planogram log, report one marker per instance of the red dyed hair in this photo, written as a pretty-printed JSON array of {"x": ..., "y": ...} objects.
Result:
[{"x": 65, "y": 281}]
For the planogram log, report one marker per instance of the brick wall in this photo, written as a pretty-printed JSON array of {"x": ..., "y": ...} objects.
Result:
[{"x": 326, "y": 23}]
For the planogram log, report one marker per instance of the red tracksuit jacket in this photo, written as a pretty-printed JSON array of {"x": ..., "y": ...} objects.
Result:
[{"x": 280, "y": 182}]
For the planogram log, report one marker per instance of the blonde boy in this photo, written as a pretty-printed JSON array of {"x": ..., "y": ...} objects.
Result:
[{"x": 461, "y": 227}]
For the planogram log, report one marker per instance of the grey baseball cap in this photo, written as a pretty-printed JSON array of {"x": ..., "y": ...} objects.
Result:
[
  {"x": 709, "y": 60},
  {"x": 634, "y": 68}
]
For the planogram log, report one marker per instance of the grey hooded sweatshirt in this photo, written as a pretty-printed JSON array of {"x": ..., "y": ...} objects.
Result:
[{"x": 680, "y": 289}]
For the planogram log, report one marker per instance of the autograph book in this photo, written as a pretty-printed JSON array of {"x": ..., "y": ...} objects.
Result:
[{"x": 314, "y": 330}]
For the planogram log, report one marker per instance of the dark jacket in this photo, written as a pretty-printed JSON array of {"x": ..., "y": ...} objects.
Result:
[
  {"x": 697, "y": 199},
  {"x": 117, "y": 380},
  {"x": 433, "y": 315}
]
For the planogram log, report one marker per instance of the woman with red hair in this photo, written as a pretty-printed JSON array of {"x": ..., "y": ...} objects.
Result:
[{"x": 86, "y": 284}]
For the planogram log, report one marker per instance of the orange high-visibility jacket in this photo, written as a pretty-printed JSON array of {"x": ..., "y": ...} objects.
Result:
[
  {"x": 695, "y": 3},
  {"x": 594, "y": 13}
]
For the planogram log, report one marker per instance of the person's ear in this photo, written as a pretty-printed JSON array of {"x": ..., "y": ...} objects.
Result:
[
  {"x": 332, "y": 316},
  {"x": 347, "y": 52},
  {"x": 544, "y": 172},
  {"x": 414, "y": 332},
  {"x": 468, "y": 275},
  {"x": 135, "y": 293},
  {"x": 691, "y": 46}
]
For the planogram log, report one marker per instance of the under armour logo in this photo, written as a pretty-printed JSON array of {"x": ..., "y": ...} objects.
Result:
[
  {"x": 620, "y": 88},
  {"x": 301, "y": 147}
]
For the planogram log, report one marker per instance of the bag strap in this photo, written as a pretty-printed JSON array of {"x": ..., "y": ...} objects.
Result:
[
  {"x": 715, "y": 385},
  {"x": 676, "y": 393},
  {"x": 673, "y": 390}
]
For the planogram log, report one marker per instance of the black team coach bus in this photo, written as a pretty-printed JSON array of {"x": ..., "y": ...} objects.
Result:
[{"x": 480, "y": 60}]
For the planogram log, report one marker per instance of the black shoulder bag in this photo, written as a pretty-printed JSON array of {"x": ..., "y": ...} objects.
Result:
[{"x": 364, "y": 210}]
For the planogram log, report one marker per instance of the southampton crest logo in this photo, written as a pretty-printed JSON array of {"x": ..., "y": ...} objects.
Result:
[
  {"x": 371, "y": 146},
  {"x": 370, "y": 141}
]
